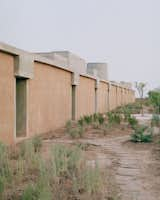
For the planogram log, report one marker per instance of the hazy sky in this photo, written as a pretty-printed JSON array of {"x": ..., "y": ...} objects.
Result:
[{"x": 123, "y": 33}]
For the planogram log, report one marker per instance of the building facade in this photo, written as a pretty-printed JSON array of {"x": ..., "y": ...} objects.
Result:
[{"x": 40, "y": 92}]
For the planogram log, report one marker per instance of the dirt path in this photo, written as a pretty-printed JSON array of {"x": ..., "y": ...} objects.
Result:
[
  {"x": 131, "y": 166},
  {"x": 132, "y": 172}
]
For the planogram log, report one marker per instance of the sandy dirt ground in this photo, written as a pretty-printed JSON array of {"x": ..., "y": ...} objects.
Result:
[{"x": 132, "y": 169}]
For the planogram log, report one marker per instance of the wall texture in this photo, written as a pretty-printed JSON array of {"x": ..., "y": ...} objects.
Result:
[
  {"x": 102, "y": 93},
  {"x": 85, "y": 97},
  {"x": 7, "y": 98},
  {"x": 53, "y": 94},
  {"x": 49, "y": 99}
]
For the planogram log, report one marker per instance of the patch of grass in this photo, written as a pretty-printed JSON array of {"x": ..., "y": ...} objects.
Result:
[
  {"x": 5, "y": 168},
  {"x": 37, "y": 191},
  {"x": 65, "y": 160},
  {"x": 37, "y": 143},
  {"x": 91, "y": 180}
]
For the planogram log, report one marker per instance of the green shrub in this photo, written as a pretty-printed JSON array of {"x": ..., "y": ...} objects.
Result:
[
  {"x": 114, "y": 118},
  {"x": 37, "y": 192},
  {"x": 154, "y": 98},
  {"x": 68, "y": 125},
  {"x": 30, "y": 193},
  {"x": 2, "y": 186},
  {"x": 101, "y": 119},
  {"x": 5, "y": 168},
  {"x": 76, "y": 130},
  {"x": 37, "y": 143},
  {"x": 126, "y": 112},
  {"x": 155, "y": 120},
  {"x": 95, "y": 117},
  {"x": 27, "y": 152},
  {"x": 142, "y": 134},
  {"x": 81, "y": 131},
  {"x": 132, "y": 121},
  {"x": 92, "y": 180},
  {"x": 65, "y": 160},
  {"x": 88, "y": 119},
  {"x": 81, "y": 122},
  {"x": 134, "y": 108}
]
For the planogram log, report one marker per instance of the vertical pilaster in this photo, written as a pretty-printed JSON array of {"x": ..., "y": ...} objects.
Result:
[{"x": 96, "y": 95}]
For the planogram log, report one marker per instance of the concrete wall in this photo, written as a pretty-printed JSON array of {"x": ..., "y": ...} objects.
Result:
[
  {"x": 7, "y": 98},
  {"x": 112, "y": 97},
  {"x": 49, "y": 99},
  {"x": 85, "y": 97},
  {"x": 53, "y": 94},
  {"x": 103, "y": 97}
]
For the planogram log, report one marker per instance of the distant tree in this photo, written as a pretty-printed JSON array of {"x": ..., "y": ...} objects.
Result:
[
  {"x": 140, "y": 86},
  {"x": 154, "y": 97}
]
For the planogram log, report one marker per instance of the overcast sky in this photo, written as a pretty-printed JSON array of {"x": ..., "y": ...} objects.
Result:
[{"x": 123, "y": 33}]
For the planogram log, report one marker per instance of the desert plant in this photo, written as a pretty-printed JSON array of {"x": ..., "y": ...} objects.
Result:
[
  {"x": 126, "y": 112},
  {"x": 37, "y": 143},
  {"x": 101, "y": 119},
  {"x": 95, "y": 117},
  {"x": 154, "y": 98},
  {"x": 76, "y": 132},
  {"x": 27, "y": 152},
  {"x": 141, "y": 134},
  {"x": 155, "y": 120},
  {"x": 81, "y": 122},
  {"x": 132, "y": 121},
  {"x": 39, "y": 191},
  {"x": 69, "y": 125},
  {"x": 92, "y": 180},
  {"x": 88, "y": 119},
  {"x": 65, "y": 160},
  {"x": 114, "y": 118},
  {"x": 30, "y": 193},
  {"x": 81, "y": 131},
  {"x": 5, "y": 168}
]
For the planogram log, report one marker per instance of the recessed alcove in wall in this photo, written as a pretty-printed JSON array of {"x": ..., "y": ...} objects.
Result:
[{"x": 21, "y": 107}]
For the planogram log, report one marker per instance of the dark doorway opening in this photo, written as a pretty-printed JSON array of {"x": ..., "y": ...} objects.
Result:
[{"x": 21, "y": 107}]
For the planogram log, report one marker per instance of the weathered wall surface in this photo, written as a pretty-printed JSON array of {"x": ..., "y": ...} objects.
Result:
[
  {"x": 85, "y": 97},
  {"x": 103, "y": 98},
  {"x": 49, "y": 99},
  {"x": 7, "y": 98},
  {"x": 112, "y": 97}
]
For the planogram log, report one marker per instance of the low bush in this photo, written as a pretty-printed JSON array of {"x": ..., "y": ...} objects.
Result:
[
  {"x": 37, "y": 143},
  {"x": 155, "y": 120},
  {"x": 132, "y": 122},
  {"x": 81, "y": 122},
  {"x": 65, "y": 174},
  {"x": 5, "y": 168},
  {"x": 114, "y": 118},
  {"x": 88, "y": 119},
  {"x": 91, "y": 180},
  {"x": 75, "y": 129},
  {"x": 142, "y": 134}
]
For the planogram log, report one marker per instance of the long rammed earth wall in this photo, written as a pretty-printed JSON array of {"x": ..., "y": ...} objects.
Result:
[{"x": 38, "y": 96}]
